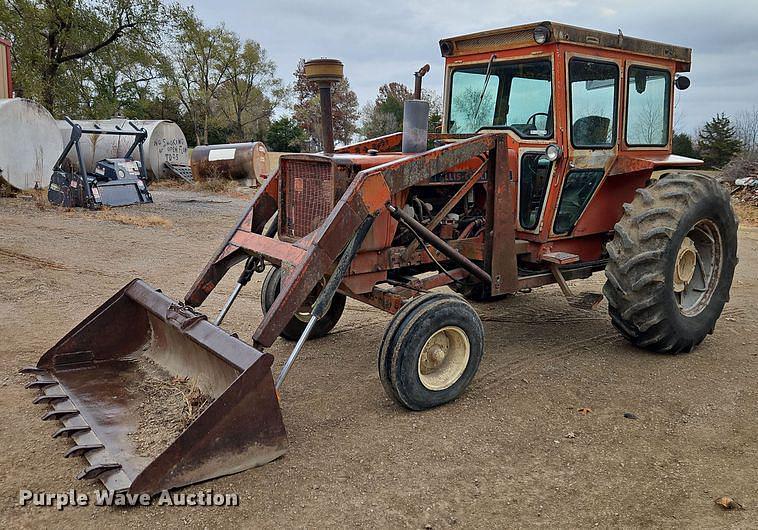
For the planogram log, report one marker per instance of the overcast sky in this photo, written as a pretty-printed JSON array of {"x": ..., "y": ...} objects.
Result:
[{"x": 387, "y": 40}]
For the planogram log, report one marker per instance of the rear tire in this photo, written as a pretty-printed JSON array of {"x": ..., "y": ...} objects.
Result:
[
  {"x": 671, "y": 263},
  {"x": 296, "y": 326},
  {"x": 431, "y": 351}
]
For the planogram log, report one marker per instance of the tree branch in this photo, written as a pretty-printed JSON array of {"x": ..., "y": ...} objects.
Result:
[{"x": 117, "y": 34}]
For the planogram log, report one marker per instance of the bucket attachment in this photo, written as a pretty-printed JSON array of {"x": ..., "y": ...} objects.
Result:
[{"x": 156, "y": 397}]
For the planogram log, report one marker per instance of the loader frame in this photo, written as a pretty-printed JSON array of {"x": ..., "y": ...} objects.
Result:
[{"x": 310, "y": 259}]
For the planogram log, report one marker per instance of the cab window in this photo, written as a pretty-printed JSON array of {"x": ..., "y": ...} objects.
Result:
[
  {"x": 593, "y": 93},
  {"x": 533, "y": 181},
  {"x": 647, "y": 107},
  {"x": 514, "y": 95}
]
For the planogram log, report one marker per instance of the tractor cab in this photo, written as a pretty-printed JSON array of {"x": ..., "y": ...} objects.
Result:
[{"x": 586, "y": 113}]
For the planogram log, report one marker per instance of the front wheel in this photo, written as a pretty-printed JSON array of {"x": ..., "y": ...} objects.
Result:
[
  {"x": 296, "y": 326},
  {"x": 671, "y": 263},
  {"x": 431, "y": 351}
]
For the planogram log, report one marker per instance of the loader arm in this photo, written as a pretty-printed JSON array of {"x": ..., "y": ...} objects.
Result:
[{"x": 313, "y": 257}]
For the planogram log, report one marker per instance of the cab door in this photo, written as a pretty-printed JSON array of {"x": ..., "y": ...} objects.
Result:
[{"x": 593, "y": 95}]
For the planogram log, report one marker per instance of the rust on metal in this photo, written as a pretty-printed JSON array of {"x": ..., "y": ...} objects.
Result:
[
  {"x": 503, "y": 267},
  {"x": 242, "y": 426},
  {"x": 242, "y": 161},
  {"x": 448, "y": 207},
  {"x": 382, "y": 144},
  {"x": 440, "y": 244},
  {"x": 515, "y": 37}
]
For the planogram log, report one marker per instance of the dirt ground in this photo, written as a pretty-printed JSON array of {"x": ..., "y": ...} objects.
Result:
[{"x": 512, "y": 451}]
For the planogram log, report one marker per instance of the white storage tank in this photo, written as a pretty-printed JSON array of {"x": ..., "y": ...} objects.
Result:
[
  {"x": 31, "y": 143},
  {"x": 165, "y": 143},
  {"x": 6, "y": 83},
  {"x": 85, "y": 144}
]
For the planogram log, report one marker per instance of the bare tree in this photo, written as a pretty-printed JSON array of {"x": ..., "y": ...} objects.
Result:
[
  {"x": 252, "y": 91},
  {"x": 746, "y": 128},
  {"x": 469, "y": 111},
  {"x": 649, "y": 126},
  {"x": 202, "y": 59}
]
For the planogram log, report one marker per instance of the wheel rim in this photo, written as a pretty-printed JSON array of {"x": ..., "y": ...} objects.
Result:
[
  {"x": 444, "y": 358},
  {"x": 698, "y": 267},
  {"x": 303, "y": 314}
]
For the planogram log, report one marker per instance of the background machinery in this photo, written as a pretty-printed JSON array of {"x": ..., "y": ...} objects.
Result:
[
  {"x": 543, "y": 174},
  {"x": 114, "y": 182}
]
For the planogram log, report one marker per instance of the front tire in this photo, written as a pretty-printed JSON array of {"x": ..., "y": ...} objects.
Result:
[
  {"x": 431, "y": 351},
  {"x": 671, "y": 263},
  {"x": 296, "y": 326}
]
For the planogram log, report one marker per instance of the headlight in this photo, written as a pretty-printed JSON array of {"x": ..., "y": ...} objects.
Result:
[
  {"x": 541, "y": 34},
  {"x": 553, "y": 152}
]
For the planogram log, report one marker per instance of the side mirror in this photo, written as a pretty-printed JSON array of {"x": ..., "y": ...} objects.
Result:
[
  {"x": 682, "y": 82},
  {"x": 640, "y": 83}
]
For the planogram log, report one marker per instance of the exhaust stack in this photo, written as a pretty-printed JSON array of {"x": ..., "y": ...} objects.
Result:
[{"x": 325, "y": 73}]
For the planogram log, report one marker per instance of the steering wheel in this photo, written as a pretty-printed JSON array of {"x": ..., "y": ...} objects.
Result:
[{"x": 533, "y": 118}]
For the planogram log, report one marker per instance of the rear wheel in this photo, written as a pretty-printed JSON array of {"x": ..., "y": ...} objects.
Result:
[
  {"x": 671, "y": 263},
  {"x": 431, "y": 351},
  {"x": 295, "y": 327}
]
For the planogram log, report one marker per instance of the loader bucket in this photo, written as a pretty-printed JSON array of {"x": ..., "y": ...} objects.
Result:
[{"x": 125, "y": 382}]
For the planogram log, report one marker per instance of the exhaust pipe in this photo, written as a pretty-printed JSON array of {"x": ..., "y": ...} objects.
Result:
[
  {"x": 418, "y": 77},
  {"x": 325, "y": 73}
]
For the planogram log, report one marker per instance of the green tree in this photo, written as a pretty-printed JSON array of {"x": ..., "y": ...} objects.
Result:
[
  {"x": 718, "y": 142},
  {"x": 682, "y": 145},
  {"x": 307, "y": 108},
  {"x": 251, "y": 93},
  {"x": 385, "y": 114},
  {"x": 285, "y": 135},
  {"x": 63, "y": 49},
  {"x": 202, "y": 60}
]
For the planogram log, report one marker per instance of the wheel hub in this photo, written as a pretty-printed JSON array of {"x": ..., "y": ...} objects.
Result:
[
  {"x": 444, "y": 358},
  {"x": 686, "y": 260},
  {"x": 698, "y": 267}
]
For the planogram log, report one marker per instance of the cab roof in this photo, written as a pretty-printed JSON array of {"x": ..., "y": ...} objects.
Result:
[{"x": 522, "y": 36}]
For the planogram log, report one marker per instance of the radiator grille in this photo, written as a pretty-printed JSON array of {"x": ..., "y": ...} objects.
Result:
[{"x": 308, "y": 196}]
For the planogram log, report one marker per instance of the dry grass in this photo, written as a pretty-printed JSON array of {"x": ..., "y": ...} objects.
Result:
[
  {"x": 142, "y": 221},
  {"x": 747, "y": 213},
  {"x": 226, "y": 187},
  {"x": 6, "y": 190},
  {"x": 745, "y": 202}
]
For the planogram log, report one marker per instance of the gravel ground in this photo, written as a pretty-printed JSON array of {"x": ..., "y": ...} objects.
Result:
[{"x": 515, "y": 450}]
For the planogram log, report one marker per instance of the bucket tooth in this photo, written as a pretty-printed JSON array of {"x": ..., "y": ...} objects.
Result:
[
  {"x": 58, "y": 414},
  {"x": 31, "y": 370},
  {"x": 49, "y": 398},
  {"x": 95, "y": 471},
  {"x": 79, "y": 450},
  {"x": 70, "y": 431},
  {"x": 40, "y": 383}
]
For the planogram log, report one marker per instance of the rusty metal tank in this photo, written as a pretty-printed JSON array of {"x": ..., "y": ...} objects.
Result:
[
  {"x": 86, "y": 144},
  {"x": 243, "y": 161},
  {"x": 30, "y": 143},
  {"x": 165, "y": 143}
]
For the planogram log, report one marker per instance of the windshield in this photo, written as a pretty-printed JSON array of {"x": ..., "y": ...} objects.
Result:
[{"x": 516, "y": 95}]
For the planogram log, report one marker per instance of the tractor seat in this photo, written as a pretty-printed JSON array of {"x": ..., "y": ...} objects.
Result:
[{"x": 591, "y": 130}]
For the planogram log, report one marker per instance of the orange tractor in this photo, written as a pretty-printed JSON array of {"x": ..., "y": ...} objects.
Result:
[{"x": 544, "y": 173}]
